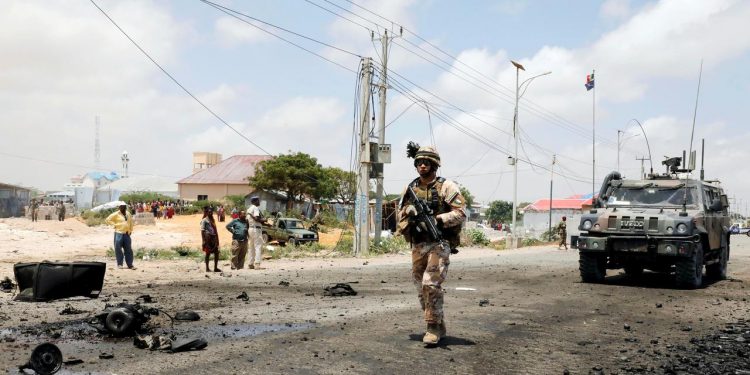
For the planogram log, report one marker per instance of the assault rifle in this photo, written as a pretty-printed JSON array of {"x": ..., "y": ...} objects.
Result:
[{"x": 425, "y": 221}]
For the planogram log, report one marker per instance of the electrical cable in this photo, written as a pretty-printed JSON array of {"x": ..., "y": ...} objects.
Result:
[
  {"x": 175, "y": 80},
  {"x": 229, "y": 12}
]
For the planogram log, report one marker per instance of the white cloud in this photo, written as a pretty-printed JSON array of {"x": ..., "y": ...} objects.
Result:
[
  {"x": 231, "y": 31},
  {"x": 615, "y": 9}
]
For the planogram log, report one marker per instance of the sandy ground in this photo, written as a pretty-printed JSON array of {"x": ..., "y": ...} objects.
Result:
[{"x": 538, "y": 318}]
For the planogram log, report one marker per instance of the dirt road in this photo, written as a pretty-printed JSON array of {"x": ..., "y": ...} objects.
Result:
[{"x": 538, "y": 318}]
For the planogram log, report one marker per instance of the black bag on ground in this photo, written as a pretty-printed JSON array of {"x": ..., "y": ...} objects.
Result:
[{"x": 46, "y": 281}]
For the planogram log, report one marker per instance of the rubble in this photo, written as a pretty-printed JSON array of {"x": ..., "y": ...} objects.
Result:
[
  {"x": 187, "y": 315},
  {"x": 339, "y": 290},
  {"x": 243, "y": 296},
  {"x": 46, "y": 359},
  {"x": 70, "y": 310},
  {"x": 7, "y": 285}
]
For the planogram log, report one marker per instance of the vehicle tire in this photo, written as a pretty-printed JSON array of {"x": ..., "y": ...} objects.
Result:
[
  {"x": 718, "y": 271},
  {"x": 120, "y": 321},
  {"x": 265, "y": 237},
  {"x": 593, "y": 267},
  {"x": 747, "y": 233},
  {"x": 633, "y": 270},
  {"x": 293, "y": 242},
  {"x": 689, "y": 271}
]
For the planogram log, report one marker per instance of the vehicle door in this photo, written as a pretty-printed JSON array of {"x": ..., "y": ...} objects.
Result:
[{"x": 713, "y": 218}]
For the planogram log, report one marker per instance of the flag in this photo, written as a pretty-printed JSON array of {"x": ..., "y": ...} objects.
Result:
[{"x": 589, "y": 81}]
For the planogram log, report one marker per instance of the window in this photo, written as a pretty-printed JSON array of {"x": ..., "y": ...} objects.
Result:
[{"x": 202, "y": 197}]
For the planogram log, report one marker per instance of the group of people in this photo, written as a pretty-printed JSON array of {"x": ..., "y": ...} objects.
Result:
[
  {"x": 246, "y": 234},
  {"x": 160, "y": 209},
  {"x": 59, "y": 206}
]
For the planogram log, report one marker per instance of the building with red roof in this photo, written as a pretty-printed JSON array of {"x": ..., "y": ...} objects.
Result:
[{"x": 228, "y": 177}]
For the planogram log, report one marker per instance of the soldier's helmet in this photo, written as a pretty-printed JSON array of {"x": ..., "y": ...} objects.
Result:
[{"x": 429, "y": 153}]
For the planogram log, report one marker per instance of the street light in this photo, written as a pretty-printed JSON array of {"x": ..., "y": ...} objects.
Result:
[
  {"x": 519, "y": 67},
  {"x": 619, "y": 145}
]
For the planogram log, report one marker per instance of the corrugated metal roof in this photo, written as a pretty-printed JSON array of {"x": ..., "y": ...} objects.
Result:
[{"x": 234, "y": 170}]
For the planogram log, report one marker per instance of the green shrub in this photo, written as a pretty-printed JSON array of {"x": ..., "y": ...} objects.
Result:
[
  {"x": 145, "y": 197},
  {"x": 389, "y": 245},
  {"x": 530, "y": 242},
  {"x": 237, "y": 201},
  {"x": 476, "y": 237},
  {"x": 94, "y": 219},
  {"x": 345, "y": 244}
]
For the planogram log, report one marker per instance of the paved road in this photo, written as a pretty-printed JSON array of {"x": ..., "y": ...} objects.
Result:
[{"x": 540, "y": 320}]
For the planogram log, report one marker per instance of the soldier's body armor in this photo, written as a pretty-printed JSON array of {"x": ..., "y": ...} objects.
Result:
[{"x": 438, "y": 205}]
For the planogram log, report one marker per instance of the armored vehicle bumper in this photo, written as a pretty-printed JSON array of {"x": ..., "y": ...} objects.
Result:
[{"x": 668, "y": 246}]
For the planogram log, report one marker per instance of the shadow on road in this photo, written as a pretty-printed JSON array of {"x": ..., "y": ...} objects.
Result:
[
  {"x": 650, "y": 280},
  {"x": 445, "y": 342}
]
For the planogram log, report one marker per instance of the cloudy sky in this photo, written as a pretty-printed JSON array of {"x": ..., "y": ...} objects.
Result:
[{"x": 451, "y": 83}]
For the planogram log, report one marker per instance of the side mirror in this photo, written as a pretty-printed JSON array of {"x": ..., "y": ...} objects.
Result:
[{"x": 716, "y": 205}]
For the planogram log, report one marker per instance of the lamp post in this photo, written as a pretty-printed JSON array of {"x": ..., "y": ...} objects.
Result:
[
  {"x": 619, "y": 145},
  {"x": 519, "y": 94}
]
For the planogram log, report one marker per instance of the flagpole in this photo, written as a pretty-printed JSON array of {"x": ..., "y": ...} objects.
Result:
[{"x": 593, "y": 140}]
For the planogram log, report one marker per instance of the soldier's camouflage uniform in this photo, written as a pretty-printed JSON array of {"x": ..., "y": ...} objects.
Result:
[
  {"x": 430, "y": 260},
  {"x": 562, "y": 230}
]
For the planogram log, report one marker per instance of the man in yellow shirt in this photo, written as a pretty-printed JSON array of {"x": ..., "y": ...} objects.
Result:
[{"x": 122, "y": 221}]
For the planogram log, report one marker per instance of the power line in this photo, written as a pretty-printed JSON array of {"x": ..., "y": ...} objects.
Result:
[
  {"x": 175, "y": 80},
  {"x": 541, "y": 111},
  {"x": 96, "y": 168},
  {"x": 230, "y": 12}
]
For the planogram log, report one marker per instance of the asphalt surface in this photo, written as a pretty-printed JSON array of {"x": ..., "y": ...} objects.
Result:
[{"x": 525, "y": 312}]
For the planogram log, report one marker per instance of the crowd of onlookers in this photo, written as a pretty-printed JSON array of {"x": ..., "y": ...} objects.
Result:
[{"x": 160, "y": 209}]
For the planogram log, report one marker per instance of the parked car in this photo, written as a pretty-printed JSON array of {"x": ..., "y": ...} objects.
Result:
[
  {"x": 738, "y": 229},
  {"x": 288, "y": 230}
]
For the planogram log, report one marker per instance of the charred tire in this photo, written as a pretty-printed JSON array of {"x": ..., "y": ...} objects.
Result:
[
  {"x": 593, "y": 267},
  {"x": 689, "y": 271},
  {"x": 718, "y": 271},
  {"x": 120, "y": 321},
  {"x": 265, "y": 237},
  {"x": 633, "y": 270}
]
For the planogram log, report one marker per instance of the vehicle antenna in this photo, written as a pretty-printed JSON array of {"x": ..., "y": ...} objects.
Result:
[{"x": 692, "y": 133}]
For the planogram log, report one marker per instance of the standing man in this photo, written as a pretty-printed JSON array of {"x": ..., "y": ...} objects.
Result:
[
  {"x": 61, "y": 211},
  {"x": 430, "y": 259},
  {"x": 256, "y": 235},
  {"x": 34, "y": 209},
  {"x": 239, "y": 229},
  {"x": 562, "y": 230},
  {"x": 122, "y": 221}
]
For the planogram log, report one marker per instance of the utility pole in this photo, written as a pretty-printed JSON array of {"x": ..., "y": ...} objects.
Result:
[
  {"x": 643, "y": 172},
  {"x": 362, "y": 204},
  {"x": 551, "y": 176},
  {"x": 383, "y": 86},
  {"x": 618, "y": 149}
]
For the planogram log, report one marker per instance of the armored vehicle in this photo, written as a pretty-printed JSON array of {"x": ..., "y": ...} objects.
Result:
[{"x": 664, "y": 223}]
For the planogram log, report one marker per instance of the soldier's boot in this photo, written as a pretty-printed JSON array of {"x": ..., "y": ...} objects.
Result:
[{"x": 432, "y": 336}]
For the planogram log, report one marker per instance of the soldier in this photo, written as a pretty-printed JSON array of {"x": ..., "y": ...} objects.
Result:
[
  {"x": 34, "y": 209},
  {"x": 61, "y": 211},
  {"x": 430, "y": 260},
  {"x": 562, "y": 230}
]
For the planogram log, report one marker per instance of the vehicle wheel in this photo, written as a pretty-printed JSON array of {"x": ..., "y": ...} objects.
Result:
[
  {"x": 265, "y": 237},
  {"x": 593, "y": 267},
  {"x": 633, "y": 270},
  {"x": 292, "y": 241},
  {"x": 718, "y": 271},
  {"x": 119, "y": 321},
  {"x": 748, "y": 233},
  {"x": 689, "y": 271}
]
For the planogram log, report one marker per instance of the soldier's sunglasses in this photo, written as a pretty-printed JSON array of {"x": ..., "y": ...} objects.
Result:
[{"x": 422, "y": 162}]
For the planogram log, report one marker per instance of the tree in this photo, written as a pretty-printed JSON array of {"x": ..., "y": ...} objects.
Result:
[
  {"x": 297, "y": 175},
  {"x": 344, "y": 184},
  {"x": 500, "y": 211},
  {"x": 467, "y": 196}
]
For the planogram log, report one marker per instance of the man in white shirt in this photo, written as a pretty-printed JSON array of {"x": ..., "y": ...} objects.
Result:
[{"x": 255, "y": 243}]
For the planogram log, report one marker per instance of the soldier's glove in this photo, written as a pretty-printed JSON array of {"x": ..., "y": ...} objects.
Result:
[{"x": 410, "y": 210}]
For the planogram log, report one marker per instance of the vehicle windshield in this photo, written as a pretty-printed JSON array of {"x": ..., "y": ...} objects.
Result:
[
  {"x": 649, "y": 195},
  {"x": 294, "y": 224}
]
